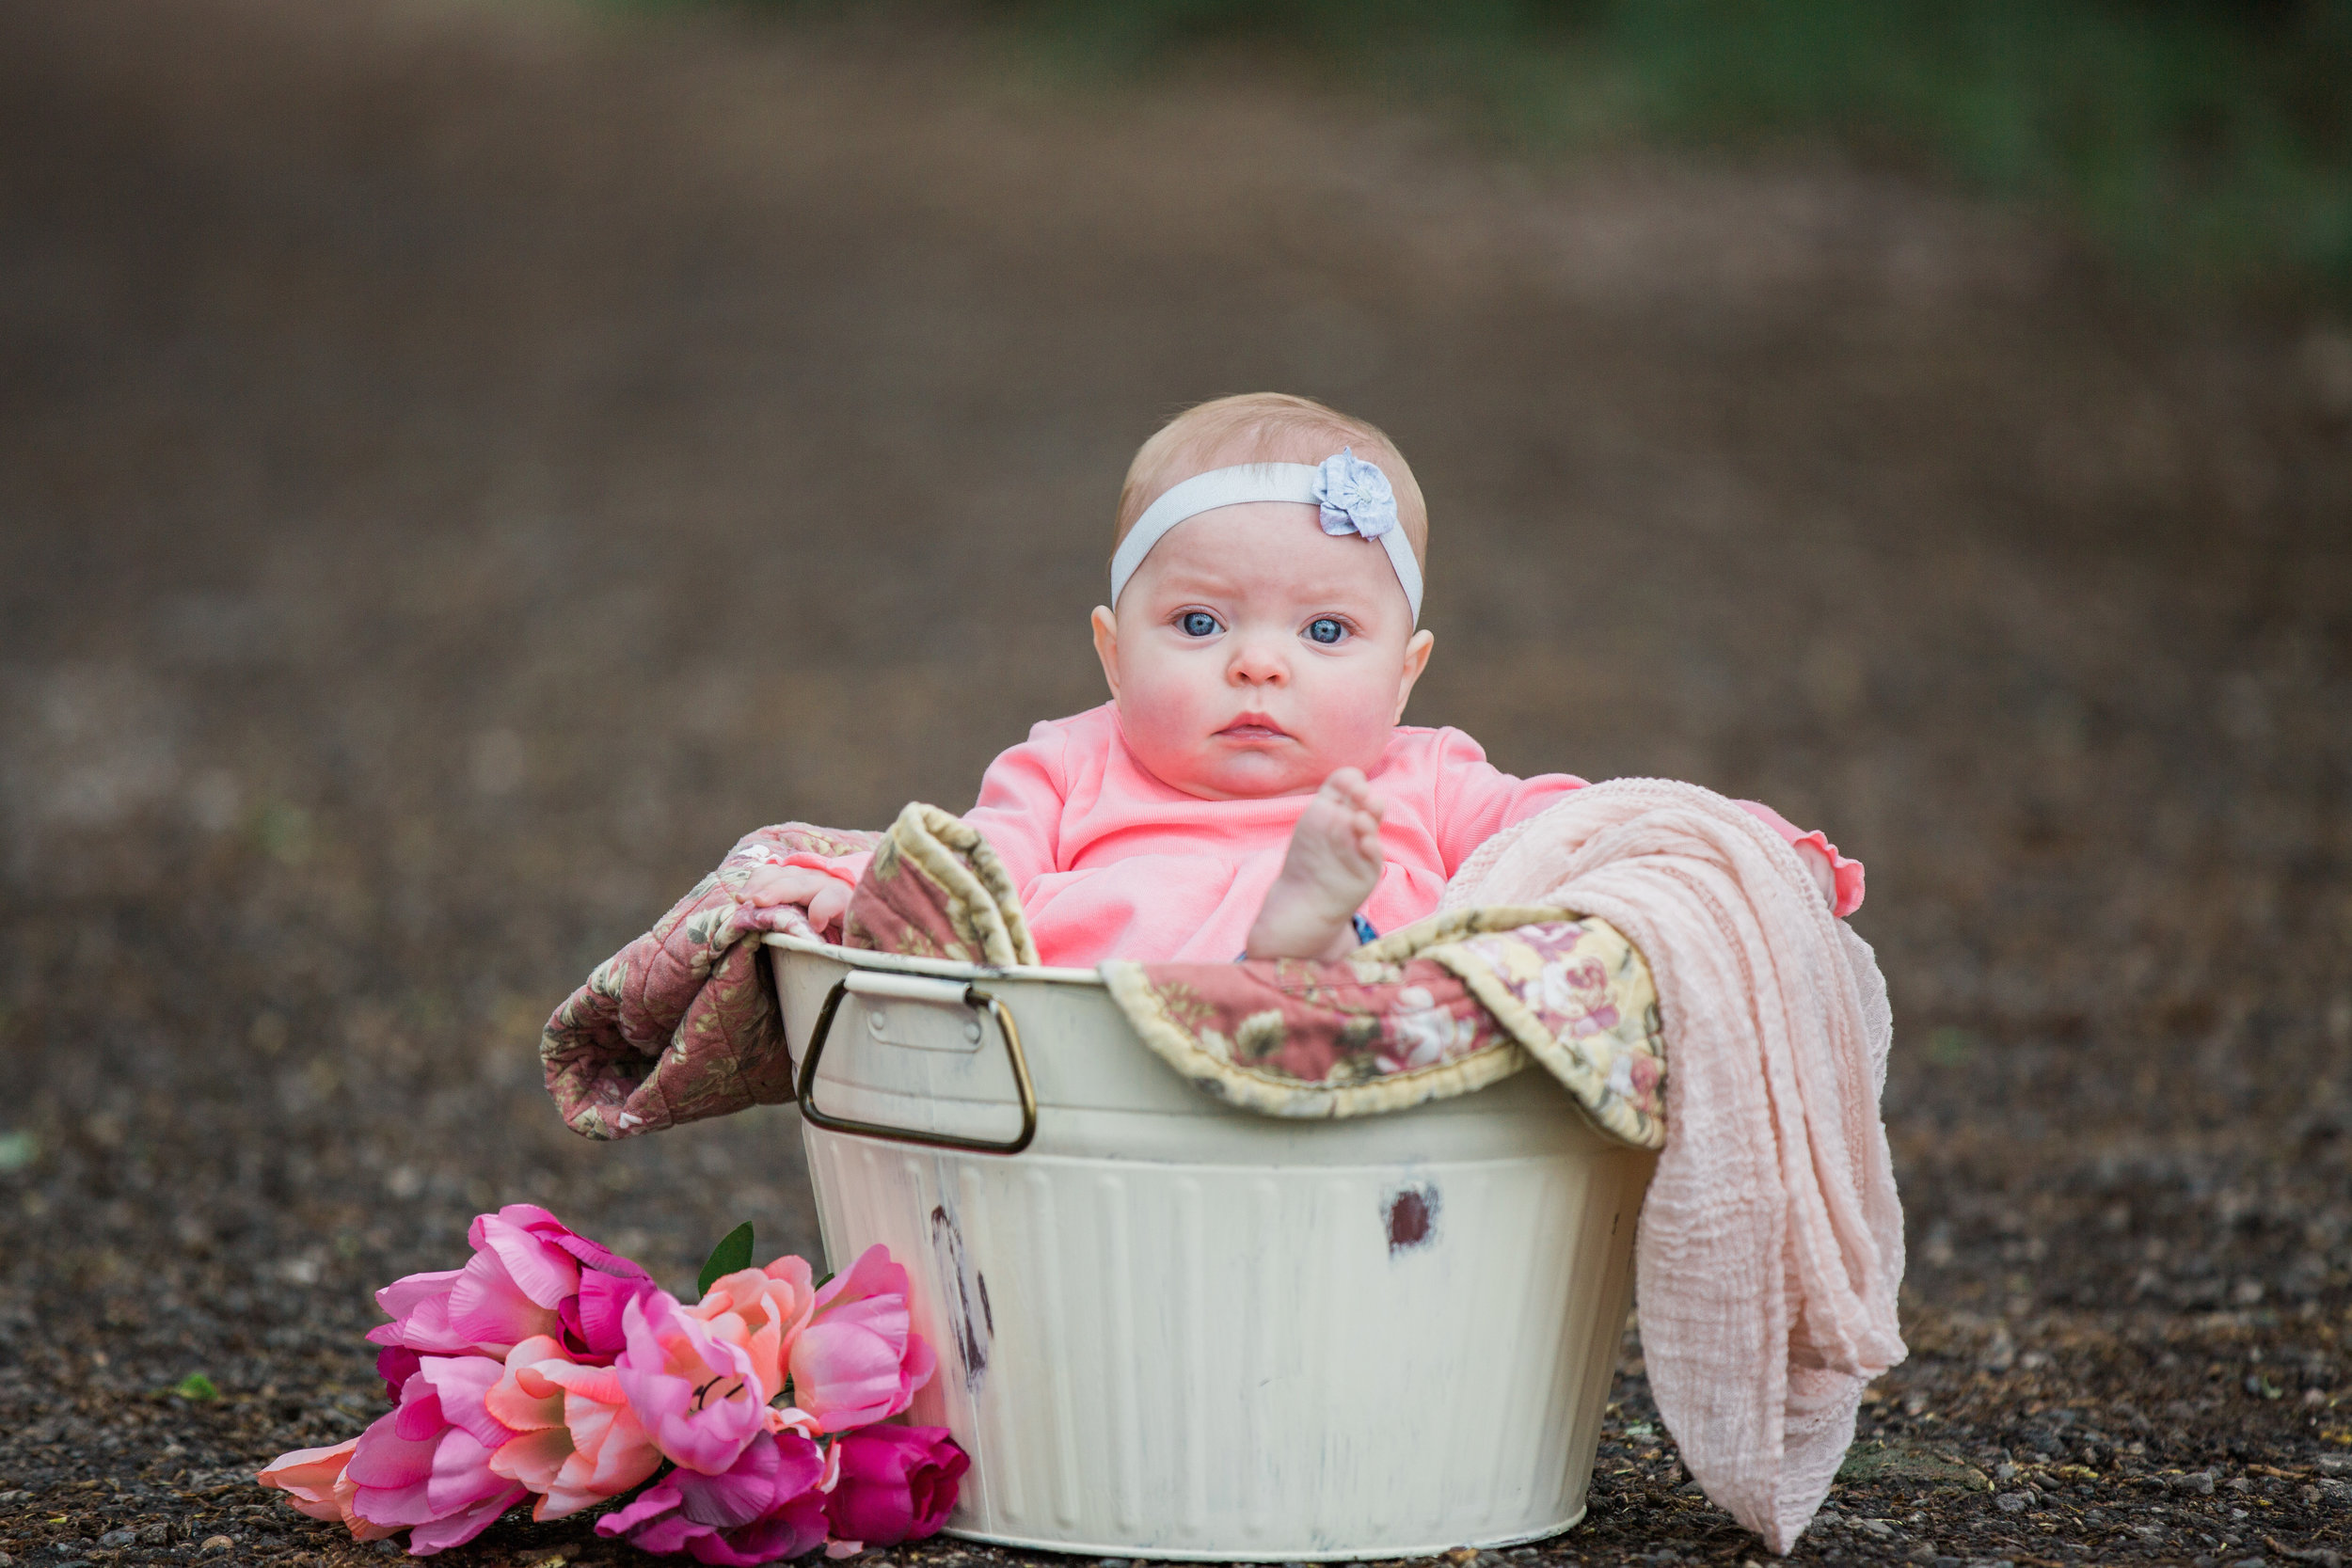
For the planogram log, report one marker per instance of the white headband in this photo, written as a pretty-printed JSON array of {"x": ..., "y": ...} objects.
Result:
[{"x": 1355, "y": 498}]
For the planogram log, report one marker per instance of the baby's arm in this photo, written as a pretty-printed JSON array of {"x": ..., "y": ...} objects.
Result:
[
  {"x": 1016, "y": 811},
  {"x": 1476, "y": 801},
  {"x": 1839, "y": 879},
  {"x": 1333, "y": 865}
]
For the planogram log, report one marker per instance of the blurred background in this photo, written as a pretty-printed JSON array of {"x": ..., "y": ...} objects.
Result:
[{"x": 462, "y": 464}]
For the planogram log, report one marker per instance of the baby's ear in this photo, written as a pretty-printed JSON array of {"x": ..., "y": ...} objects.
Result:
[
  {"x": 1106, "y": 645},
  {"x": 1417, "y": 649}
]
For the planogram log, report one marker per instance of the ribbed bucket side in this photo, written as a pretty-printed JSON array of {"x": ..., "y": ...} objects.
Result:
[{"x": 1256, "y": 1360}]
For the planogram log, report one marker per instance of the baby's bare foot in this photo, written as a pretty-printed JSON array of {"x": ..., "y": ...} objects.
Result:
[{"x": 1333, "y": 865}]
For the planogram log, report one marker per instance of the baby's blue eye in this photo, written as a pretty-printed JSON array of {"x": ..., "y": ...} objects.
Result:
[
  {"x": 1324, "y": 629},
  {"x": 1197, "y": 622}
]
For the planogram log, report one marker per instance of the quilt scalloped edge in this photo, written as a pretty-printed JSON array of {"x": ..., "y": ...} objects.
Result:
[{"x": 1568, "y": 990}]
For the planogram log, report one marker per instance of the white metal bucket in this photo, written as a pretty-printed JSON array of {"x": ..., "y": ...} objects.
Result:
[{"x": 1171, "y": 1329}]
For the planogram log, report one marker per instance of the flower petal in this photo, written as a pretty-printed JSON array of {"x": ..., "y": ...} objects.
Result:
[
  {"x": 487, "y": 1309},
  {"x": 653, "y": 1502},
  {"x": 544, "y": 1272},
  {"x": 535, "y": 1459},
  {"x": 457, "y": 1529},
  {"x": 464, "y": 1383},
  {"x": 308, "y": 1476}
]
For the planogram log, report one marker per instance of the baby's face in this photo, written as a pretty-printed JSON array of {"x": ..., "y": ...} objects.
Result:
[{"x": 1252, "y": 652}]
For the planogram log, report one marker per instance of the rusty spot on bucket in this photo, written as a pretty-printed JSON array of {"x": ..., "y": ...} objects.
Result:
[
  {"x": 1413, "y": 1218},
  {"x": 966, "y": 1288}
]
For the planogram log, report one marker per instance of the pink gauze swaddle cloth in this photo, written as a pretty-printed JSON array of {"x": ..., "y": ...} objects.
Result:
[{"x": 1772, "y": 1241}]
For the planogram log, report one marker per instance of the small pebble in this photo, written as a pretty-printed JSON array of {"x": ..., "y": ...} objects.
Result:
[
  {"x": 214, "y": 1544},
  {"x": 115, "y": 1539},
  {"x": 2011, "y": 1502}
]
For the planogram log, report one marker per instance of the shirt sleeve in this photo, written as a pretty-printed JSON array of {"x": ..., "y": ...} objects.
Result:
[
  {"x": 1847, "y": 872},
  {"x": 1019, "y": 811},
  {"x": 1477, "y": 799}
]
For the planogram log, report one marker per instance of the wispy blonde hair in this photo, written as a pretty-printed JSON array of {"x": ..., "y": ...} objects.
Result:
[{"x": 1266, "y": 427}]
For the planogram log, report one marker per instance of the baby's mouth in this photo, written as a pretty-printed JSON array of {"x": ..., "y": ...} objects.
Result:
[{"x": 1253, "y": 726}]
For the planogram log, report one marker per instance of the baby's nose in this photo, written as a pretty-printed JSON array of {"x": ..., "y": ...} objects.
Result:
[{"x": 1257, "y": 663}]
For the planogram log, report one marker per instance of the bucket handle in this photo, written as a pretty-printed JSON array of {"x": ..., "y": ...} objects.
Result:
[{"x": 924, "y": 988}]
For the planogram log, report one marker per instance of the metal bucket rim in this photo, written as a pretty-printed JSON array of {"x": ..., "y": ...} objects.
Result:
[{"x": 862, "y": 958}]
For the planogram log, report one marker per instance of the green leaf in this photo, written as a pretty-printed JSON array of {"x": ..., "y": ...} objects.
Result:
[
  {"x": 196, "y": 1388},
  {"x": 733, "y": 1252}
]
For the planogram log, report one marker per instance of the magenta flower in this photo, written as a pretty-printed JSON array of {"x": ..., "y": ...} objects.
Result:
[
  {"x": 696, "y": 1391},
  {"x": 769, "y": 1505},
  {"x": 428, "y": 1464},
  {"x": 531, "y": 1274},
  {"x": 859, "y": 1360},
  {"x": 896, "y": 1483},
  {"x": 395, "y": 1364}
]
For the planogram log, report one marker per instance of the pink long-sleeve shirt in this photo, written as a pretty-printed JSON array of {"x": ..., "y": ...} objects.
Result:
[{"x": 1111, "y": 863}]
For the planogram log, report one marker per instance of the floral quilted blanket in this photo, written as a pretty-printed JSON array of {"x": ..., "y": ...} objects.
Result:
[
  {"x": 1442, "y": 1007},
  {"x": 682, "y": 1024}
]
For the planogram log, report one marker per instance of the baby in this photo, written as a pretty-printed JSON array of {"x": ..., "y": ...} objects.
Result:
[{"x": 1249, "y": 788}]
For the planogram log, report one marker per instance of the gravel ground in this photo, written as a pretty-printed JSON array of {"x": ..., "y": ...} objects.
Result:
[{"x": 461, "y": 466}]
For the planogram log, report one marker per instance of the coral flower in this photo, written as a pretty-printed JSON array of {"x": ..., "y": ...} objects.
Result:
[
  {"x": 697, "y": 1390},
  {"x": 315, "y": 1482},
  {"x": 895, "y": 1483},
  {"x": 428, "y": 1464},
  {"x": 762, "y": 1310},
  {"x": 579, "y": 1443},
  {"x": 859, "y": 1359},
  {"x": 769, "y": 1505},
  {"x": 531, "y": 1274}
]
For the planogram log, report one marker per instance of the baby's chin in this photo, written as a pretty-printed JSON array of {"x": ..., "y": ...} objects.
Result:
[{"x": 1222, "y": 771}]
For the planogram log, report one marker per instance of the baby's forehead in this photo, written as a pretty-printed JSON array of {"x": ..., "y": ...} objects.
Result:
[{"x": 1272, "y": 548}]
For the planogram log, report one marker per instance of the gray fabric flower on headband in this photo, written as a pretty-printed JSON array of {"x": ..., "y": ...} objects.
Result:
[{"x": 1355, "y": 496}]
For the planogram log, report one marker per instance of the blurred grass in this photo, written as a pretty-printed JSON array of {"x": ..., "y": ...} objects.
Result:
[{"x": 2206, "y": 144}]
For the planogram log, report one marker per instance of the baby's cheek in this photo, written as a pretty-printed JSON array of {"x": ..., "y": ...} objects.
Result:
[
  {"x": 1357, "y": 719},
  {"x": 1162, "y": 727},
  {"x": 1154, "y": 717}
]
